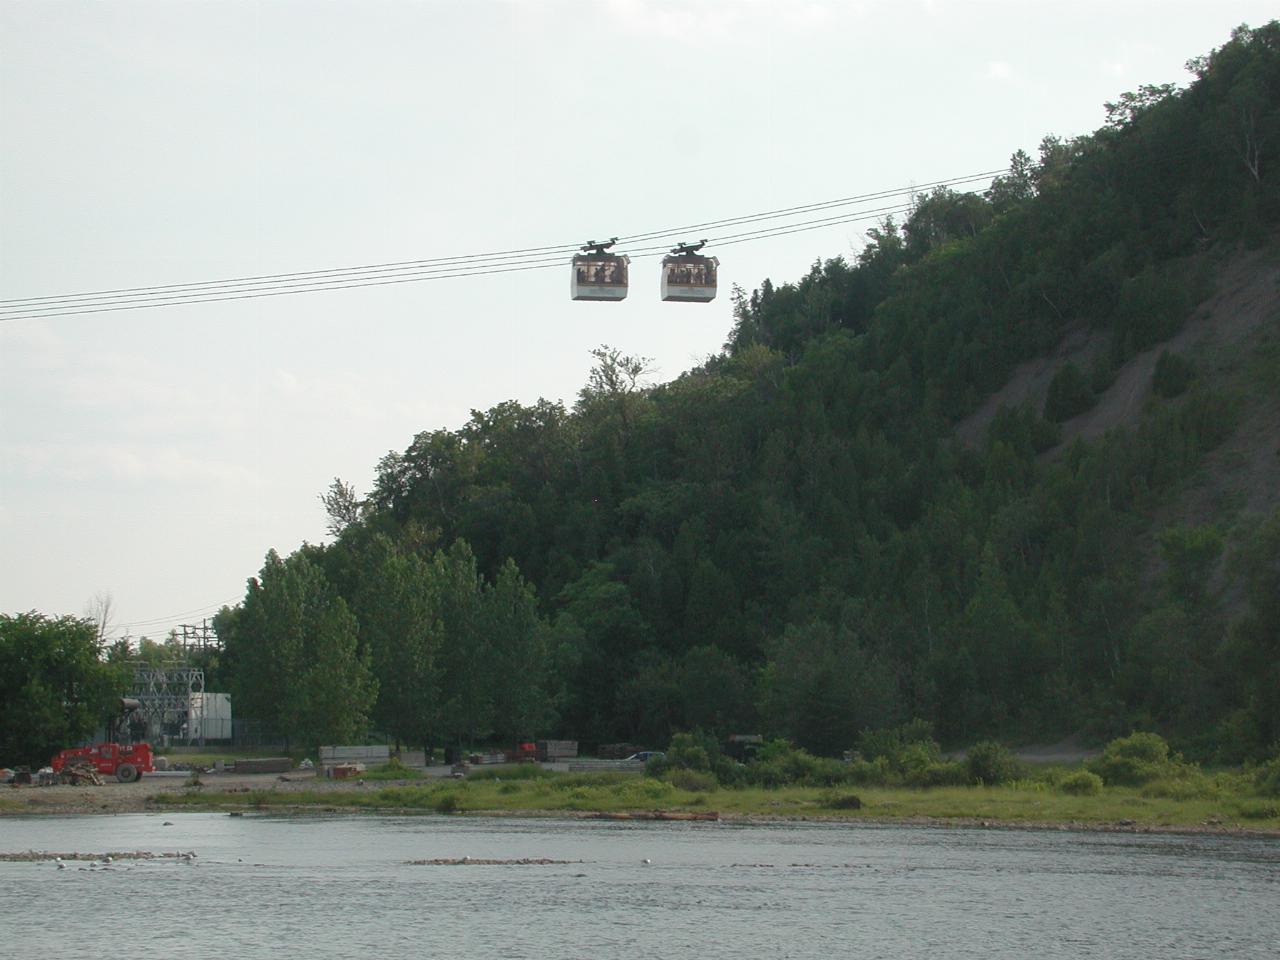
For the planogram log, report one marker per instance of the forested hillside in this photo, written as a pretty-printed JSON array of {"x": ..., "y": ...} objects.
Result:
[{"x": 997, "y": 473}]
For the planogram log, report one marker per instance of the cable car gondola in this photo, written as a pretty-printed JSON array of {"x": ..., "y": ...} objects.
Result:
[
  {"x": 687, "y": 277},
  {"x": 598, "y": 275}
]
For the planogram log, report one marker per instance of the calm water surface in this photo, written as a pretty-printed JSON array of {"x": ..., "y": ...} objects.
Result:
[{"x": 341, "y": 886}]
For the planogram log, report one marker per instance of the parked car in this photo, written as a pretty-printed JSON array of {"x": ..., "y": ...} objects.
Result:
[{"x": 644, "y": 756}]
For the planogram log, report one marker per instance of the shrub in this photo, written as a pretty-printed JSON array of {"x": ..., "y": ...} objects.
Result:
[
  {"x": 841, "y": 801},
  {"x": 1081, "y": 783},
  {"x": 1191, "y": 785},
  {"x": 779, "y": 764},
  {"x": 1267, "y": 778},
  {"x": 511, "y": 771},
  {"x": 641, "y": 791},
  {"x": 1069, "y": 394},
  {"x": 915, "y": 758},
  {"x": 393, "y": 769},
  {"x": 604, "y": 778},
  {"x": 696, "y": 751},
  {"x": 889, "y": 742},
  {"x": 941, "y": 774},
  {"x": 1135, "y": 760},
  {"x": 905, "y": 752},
  {"x": 991, "y": 763},
  {"x": 1258, "y": 811},
  {"x": 688, "y": 751},
  {"x": 868, "y": 772},
  {"x": 1152, "y": 307},
  {"x": 694, "y": 781},
  {"x": 1173, "y": 374},
  {"x": 448, "y": 803}
]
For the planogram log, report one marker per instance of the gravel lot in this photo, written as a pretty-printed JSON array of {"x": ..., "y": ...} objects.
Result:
[{"x": 114, "y": 797}]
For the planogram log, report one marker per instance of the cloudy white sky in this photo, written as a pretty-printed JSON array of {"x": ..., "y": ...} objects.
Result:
[{"x": 156, "y": 455}]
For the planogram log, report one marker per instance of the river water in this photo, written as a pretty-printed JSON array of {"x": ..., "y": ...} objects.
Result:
[{"x": 343, "y": 886}]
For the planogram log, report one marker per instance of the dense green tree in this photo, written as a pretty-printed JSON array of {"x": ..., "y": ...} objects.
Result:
[
  {"x": 334, "y": 688},
  {"x": 1254, "y": 645},
  {"x": 466, "y": 691},
  {"x": 1069, "y": 394},
  {"x": 57, "y": 687},
  {"x": 398, "y": 610},
  {"x": 292, "y": 654},
  {"x": 518, "y": 666},
  {"x": 821, "y": 690}
]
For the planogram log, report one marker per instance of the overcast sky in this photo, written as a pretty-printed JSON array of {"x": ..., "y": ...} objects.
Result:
[{"x": 156, "y": 455}]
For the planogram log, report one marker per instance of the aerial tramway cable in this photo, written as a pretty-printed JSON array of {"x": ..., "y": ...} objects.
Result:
[{"x": 451, "y": 267}]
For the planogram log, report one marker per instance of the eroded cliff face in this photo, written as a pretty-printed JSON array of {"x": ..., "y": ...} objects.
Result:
[{"x": 1233, "y": 339}]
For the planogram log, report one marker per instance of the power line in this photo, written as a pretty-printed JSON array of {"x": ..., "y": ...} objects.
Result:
[
  {"x": 173, "y": 618},
  {"x": 471, "y": 265}
]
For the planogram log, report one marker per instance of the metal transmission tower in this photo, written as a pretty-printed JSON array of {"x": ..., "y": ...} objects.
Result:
[
  {"x": 196, "y": 637},
  {"x": 165, "y": 693}
]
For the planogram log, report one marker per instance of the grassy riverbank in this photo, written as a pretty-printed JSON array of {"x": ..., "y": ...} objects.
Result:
[{"x": 1026, "y": 803}]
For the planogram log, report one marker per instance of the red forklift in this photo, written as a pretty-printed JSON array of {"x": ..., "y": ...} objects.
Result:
[
  {"x": 526, "y": 751},
  {"x": 126, "y": 762}
]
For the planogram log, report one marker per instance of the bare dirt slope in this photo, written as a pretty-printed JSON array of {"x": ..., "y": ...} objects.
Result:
[{"x": 1234, "y": 340}]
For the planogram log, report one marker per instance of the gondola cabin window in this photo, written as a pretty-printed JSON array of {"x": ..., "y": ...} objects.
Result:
[
  {"x": 689, "y": 278},
  {"x": 599, "y": 276}
]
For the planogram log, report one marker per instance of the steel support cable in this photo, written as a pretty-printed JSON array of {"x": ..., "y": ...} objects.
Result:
[
  {"x": 438, "y": 273},
  {"x": 780, "y": 230},
  {"x": 810, "y": 224},
  {"x": 814, "y": 207},
  {"x": 174, "y": 295},
  {"x": 449, "y": 263},
  {"x": 278, "y": 293},
  {"x": 177, "y": 300},
  {"x": 394, "y": 265}
]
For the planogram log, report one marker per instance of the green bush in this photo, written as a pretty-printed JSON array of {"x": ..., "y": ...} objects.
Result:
[
  {"x": 694, "y": 781},
  {"x": 837, "y": 800},
  {"x": 889, "y": 742},
  {"x": 1069, "y": 394},
  {"x": 780, "y": 764},
  {"x": 393, "y": 769},
  {"x": 1191, "y": 785},
  {"x": 1153, "y": 305},
  {"x": 639, "y": 791},
  {"x": 689, "y": 751},
  {"x": 1173, "y": 374},
  {"x": 699, "y": 752},
  {"x": 1081, "y": 783},
  {"x": 511, "y": 771},
  {"x": 1267, "y": 778},
  {"x": 1134, "y": 760},
  {"x": 603, "y": 778},
  {"x": 868, "y": 773},
  {"x": 1258, "y": 811},
  {"x": 448, "y": 803},
  {"x": 905, "y": 754},
  {"x": 991, "y": 763},
  {"x": 940, "y": 774}
]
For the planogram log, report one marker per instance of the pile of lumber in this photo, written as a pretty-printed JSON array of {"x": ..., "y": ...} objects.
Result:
[{"x": 80, "y": 775}]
